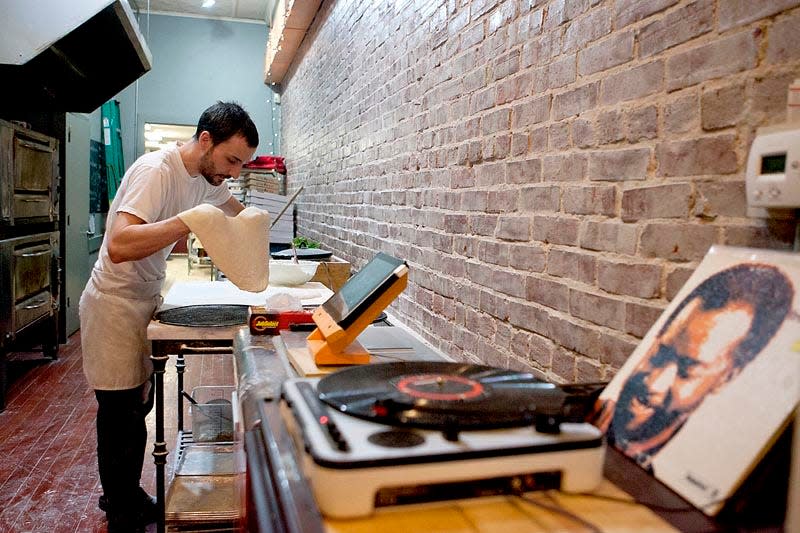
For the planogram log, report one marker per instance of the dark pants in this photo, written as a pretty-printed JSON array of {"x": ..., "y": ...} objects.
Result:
[{"x": 121, "y": 442}]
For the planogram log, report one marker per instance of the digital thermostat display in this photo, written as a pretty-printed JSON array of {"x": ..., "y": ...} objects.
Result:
[{"x": 773, "y": 164}]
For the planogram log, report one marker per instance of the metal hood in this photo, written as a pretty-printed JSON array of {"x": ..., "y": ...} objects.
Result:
[{"x": 68, "y": 56}]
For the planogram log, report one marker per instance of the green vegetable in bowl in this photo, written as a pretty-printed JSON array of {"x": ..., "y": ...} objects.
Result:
[{"x": 305, "y": 242}]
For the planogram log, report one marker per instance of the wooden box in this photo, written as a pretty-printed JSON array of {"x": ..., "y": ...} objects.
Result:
[{"x": 333, "y": 273}]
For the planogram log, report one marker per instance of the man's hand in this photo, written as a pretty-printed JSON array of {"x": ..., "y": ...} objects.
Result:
[{"x": 131, "y": 238}]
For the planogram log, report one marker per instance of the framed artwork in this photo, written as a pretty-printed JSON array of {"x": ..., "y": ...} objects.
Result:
[{"x": 716, "y": 379}]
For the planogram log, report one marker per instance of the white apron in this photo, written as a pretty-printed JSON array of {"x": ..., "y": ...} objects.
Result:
[{"x": 114, "y": 315}]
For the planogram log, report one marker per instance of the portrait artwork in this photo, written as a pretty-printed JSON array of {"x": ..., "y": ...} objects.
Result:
[{"x": 715, "y": 380}]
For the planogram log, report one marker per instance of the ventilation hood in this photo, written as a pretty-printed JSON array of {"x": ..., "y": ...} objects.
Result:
[{"x": 68, "y": 56}]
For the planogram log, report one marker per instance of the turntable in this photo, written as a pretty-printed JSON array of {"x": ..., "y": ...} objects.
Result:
[{"x": 399, "y": 433}]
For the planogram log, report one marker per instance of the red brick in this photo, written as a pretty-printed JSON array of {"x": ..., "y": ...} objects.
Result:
[
  {"x": 608, "y": 237},
  {"x": 583, "y": 135},
  {"x": 588, "y": 370},
  {"x": 630, "y": 11},
  {"x": 597, "y": 308},
  {"x": 632, "y": 83},
  {"x": 502, "y": 201},
  {"x": 777, "y": 234},
  {"x": 609, "y": 127},
  {"x": 706, "y": 155},
  {"x": 527, "y": 257},
  {"x": 528, "y": 316},
  {"x": 525, "y": 27},
  {"x": 480, "y": 225},
  {"x": 547, "y": 292},
  {"x": 555, "y": 230},
  {"x": 528, "y": 171},
  {"x": 531, "y": 112},
  {"x": 509, "y": 283},
  {"x": 489, "y": 173},
  {"x": 716, "y": 59},
  {"x": 676, "y": 242},
  {"x": 483, "y": 100},
  {"x": 613, "y": 349},
  {"x": 678, "y": 26},
  {"x": 558, "y": 134},
  {"x": 568, "y": 167},
  {"x": 768, "y": 97},
  {"x": 656, "y": 201},
  {"x": 720, "y": 198},
  {"x": 683, "y": 113},
  {"x": 576, "y": 337},
  {"x": 639, "y": 318},
  {"x": 514, "y": 228},
  {"x": 722, "y": 107},
  {"x": 514, "y": 88},
  {"x": 642, "y": 124},
  {"x": 584, "y": 30},
  {"x": 784, "y": 41},
  {"x": 590, "y": 200},
  {"x": 642, "y": 280},
  {"x": 577, "y": 266},
  {"x": 676, "y": 278},
  {"x": 506, "y": 65},
  {"x": 554, "y": 75},
  {"x": 495, "y": 121},
  {"x": 575, "y": 101},
  {"x": 734, "y": 13},
  {"x": 619, "y": 165},
  {"x": 563, "y": 367},
  {"x": 540, "y": 198},
  {"x": 542, "y": 50},
  {"x": 610, "y": 52}
]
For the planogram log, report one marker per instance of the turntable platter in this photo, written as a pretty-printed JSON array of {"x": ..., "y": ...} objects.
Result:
[{"x": 438, "y": 395}]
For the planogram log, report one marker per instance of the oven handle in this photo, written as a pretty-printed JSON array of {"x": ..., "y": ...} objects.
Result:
[
  {"x": 37, "y": 253},
  {"x": 34, "y": 146},
  {"x": 37, "y": 305}
]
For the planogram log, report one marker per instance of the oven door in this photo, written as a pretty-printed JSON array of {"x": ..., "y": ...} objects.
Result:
[
  {"x": 31, "y": 261},
  {"x": 35, "y": 168},
  {"x": 31, "y": 268}
]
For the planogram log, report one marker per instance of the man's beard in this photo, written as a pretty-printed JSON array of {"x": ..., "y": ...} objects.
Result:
[
  {"x": 662, "y": 416},
  {"x": 209, "y": 172}
]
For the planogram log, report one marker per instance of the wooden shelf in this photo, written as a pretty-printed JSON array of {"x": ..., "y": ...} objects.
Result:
[{"x": 292, "y": 19}]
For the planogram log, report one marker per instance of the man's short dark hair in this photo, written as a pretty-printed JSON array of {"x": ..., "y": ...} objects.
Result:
[
  {"x": 763, "y": 286},
  {"x": 223, "y": 120}
]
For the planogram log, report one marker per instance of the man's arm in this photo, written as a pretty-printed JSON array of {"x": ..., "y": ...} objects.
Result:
[
  {"x": 131, "y": 238},
  {"x": 232, "y": 207}
]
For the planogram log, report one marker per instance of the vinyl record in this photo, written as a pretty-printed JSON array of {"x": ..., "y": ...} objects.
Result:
[{"x": 438, "y": 395}]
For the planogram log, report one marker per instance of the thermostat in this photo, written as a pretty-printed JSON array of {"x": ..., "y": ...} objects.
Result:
[{"x": 773, "y": 167}]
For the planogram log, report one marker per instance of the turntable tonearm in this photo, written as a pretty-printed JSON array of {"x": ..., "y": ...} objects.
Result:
[{"x": 395, "y": 433}]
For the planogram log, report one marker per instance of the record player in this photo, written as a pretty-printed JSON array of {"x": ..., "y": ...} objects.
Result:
[{"x": 398, "y": 433}]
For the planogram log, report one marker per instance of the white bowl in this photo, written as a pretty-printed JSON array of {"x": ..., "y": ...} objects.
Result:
[{"x": 287, "y": 273}]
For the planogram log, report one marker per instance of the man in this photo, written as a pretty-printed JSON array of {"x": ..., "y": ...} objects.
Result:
[
  {"x": 720, "y": 327},
  {"x": 124, "y": 291}
]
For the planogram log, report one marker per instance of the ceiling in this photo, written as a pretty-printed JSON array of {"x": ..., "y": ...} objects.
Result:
[{"x": 251, "y": 10}]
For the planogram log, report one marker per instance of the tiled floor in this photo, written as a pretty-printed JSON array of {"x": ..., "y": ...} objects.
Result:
[{"x": 48, "y": 472}]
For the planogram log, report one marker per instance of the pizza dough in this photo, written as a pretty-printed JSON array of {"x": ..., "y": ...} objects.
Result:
[{"x": 238, "y": 246}]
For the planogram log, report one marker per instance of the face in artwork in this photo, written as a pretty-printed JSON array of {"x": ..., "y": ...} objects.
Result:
[
  {"x": 223, "y": 160},
  {"x": 689, "y": 360}
]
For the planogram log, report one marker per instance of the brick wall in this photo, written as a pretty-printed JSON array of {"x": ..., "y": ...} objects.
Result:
[{"x": 552, "y": 170}]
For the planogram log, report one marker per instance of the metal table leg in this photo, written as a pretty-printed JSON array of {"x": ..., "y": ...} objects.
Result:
[{"x": 160, "y": 446}]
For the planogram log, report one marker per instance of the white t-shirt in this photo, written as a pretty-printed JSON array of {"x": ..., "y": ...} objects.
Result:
[
  {"x": 156, "y": 187},
  {"x": 119, "y": 299}
]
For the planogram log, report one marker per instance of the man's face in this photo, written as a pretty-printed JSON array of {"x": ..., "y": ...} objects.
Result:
[
  {"x": 224, "y": 160},
  {"x": 689, "y": 360}
]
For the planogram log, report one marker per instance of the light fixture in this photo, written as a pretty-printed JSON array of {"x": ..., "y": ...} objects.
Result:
[{"x": 209, "y": 3}]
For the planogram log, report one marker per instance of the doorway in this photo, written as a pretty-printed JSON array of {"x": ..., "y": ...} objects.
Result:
[{"x": 158, "y": 136}]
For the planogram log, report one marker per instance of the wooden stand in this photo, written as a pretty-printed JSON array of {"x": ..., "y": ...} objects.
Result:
[{"x": 332, "y": 345}]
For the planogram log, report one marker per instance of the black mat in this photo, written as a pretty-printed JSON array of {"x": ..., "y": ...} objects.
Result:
[{"x": 204, "y": 315}]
